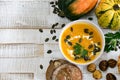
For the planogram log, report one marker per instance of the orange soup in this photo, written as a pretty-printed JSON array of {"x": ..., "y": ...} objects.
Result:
[{"x": 81, "y": 42}]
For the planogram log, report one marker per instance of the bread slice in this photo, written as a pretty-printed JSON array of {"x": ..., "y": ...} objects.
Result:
[
  {"x": 118, "y": 62},
  {"x": 57, "y": 67},
  {"x": 53, "y": 65}
]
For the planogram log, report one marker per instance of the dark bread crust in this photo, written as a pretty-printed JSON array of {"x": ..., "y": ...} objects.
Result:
[{"x": 54, "y": 65}]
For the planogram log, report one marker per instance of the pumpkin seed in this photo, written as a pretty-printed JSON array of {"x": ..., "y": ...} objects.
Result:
[
  {"x": 71, "y": 29},
  {"x": 56, "y": 2},
  {"x": 41, "y": 66},
  {"x": 116, "y": 49},
  {"x": 51, "y": 31},
  {"x": 69, "y": 43},
  {"x": 90, "y": 37},
  {"x": 51, "y": 2},
  {"x": 54, "y": 31},
  {"x": 53, "y": 6},
  {"x": 49, "y": 51},
  {"x": 54, "y": 37},
  {"x": 86, "y": 30},
  {"x": 91, "y": 33},
  {"x": 53, "y": 26},
  {"x": 63, "y": 25},
  {"x": 61, "y": 14},
  {"x": 65, "y": 40},
  {"x": 47, "y": 39},
  {"x": 90, "y": 18},
  {"x": 57, "y": 40},
  {"x": 68, "y": 37},
  {"x": 86, "y": 58},
  {"x": 41, "y": 30},
  {"x": 98, "y": 43},
  {"x": 90, "y": 46},
  {"x": 80, "y": 40}
]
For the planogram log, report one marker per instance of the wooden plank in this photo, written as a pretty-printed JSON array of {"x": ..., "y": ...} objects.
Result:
[
  {"x": 8, "y": 36},
  {"x": 16, "y": 76},
  {"x": 27, "y": 14},
  {"x": 21, "y": 50}
]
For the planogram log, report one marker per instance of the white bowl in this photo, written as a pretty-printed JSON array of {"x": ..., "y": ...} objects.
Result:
[{"x": 97, "y": 28}]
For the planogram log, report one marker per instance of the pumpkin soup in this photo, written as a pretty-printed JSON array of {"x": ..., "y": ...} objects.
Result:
[{"x": 81, "y": 42}]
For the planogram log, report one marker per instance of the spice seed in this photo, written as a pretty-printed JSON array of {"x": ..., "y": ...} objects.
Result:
[
  {"x": 41, "y": 66},
  {"x": 41, "y": 30},
  {"x": 47, "y": 39},
  {"x": 49, "y": 51},
  {"x": 54, "y": 37}
]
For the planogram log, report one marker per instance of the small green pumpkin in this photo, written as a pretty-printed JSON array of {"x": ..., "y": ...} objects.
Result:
[
  {"x": 108, "y": 14},
  {"x": 74, "y": 9}
]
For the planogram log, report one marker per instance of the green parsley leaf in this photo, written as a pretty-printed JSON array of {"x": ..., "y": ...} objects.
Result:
[{"x": 79, "y": 51}]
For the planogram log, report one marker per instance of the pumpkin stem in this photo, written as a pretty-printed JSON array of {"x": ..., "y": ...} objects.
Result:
[{"x": 116, "y": 7}]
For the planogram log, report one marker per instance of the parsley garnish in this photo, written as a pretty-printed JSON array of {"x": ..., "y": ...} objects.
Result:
[
  {"x": 112, "y": 40},
  {"x": 79, "y": 51}
]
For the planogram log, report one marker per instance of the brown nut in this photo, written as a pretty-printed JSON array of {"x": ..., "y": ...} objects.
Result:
[
  {"x": 112, "y": 63},
  {"x": 91, "y": 67},
  {"x": 110, "y": 76},
  {"x": 97, "y": 74},
  {"x": 103, "y": 65}
]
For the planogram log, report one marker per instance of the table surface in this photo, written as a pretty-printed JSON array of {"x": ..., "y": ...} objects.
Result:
[{"x": 23, "y": 50}]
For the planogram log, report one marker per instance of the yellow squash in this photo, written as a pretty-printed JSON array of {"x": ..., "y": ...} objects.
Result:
[{"x": 108, "y": 14}]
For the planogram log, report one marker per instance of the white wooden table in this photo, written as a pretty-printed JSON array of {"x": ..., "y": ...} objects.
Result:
[{"x": 22, "y": 46}]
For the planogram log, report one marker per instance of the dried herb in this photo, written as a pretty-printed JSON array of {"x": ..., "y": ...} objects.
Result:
[{"x": 112, "y": 41}]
